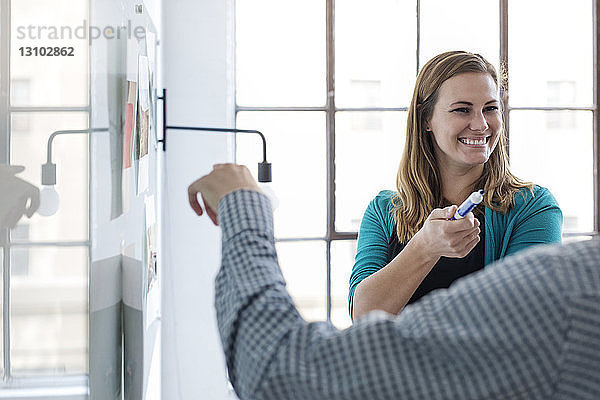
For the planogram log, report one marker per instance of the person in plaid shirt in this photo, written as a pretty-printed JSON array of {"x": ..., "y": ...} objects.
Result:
[{"x": 526, "y": 328}]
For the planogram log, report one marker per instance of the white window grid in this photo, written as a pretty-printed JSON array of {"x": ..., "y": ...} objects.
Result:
[
  {"x": 330, "y": 111},
  {"x": 57, "y": 387}
]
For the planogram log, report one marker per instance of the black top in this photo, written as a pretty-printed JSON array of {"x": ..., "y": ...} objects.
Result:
[{"x": 446, "y": 270}]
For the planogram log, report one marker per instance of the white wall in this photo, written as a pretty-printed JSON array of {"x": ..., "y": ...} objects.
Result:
[
  {"x": 116, "y": 284},
  {"x": 197, "y": 59}
]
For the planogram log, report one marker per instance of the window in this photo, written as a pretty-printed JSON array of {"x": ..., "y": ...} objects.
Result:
[
  {"x": 330, "y": 89},
  {"x": 552, "y": 105},
  {"x": 560, "y": 92},
  {"x": 20, "y": 94},
  {"x": 45, "y": 259}
]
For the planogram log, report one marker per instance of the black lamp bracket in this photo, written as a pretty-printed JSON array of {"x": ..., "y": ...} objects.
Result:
[
  {"x": 49, "y": 169},
  {"x": 264, "y": 168}
]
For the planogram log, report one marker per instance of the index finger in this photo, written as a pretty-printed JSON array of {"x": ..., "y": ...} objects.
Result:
[
  {"x": 193, "y": 198},
  {"x": 463, "y": 224},
  {"x": 223, "y": 165},
  {"x": 443, "y": 213},
  {"x": 34, "y": 201}
]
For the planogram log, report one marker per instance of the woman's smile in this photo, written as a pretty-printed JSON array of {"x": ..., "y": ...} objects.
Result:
[{"x": 476, "y": 142}]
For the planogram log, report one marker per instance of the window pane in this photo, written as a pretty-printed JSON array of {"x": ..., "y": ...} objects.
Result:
[
  {"x": 296, "y": 148},
  {"x": 49, "y": 309},
  {"x": 49, "y": 80},
  {"x": 550, "y": 62},
  {"x": 342, "y": 260},
  {"x": 305, "y": 270},
  {"x": 555, "y": 149},
  {"x": 70, "y": 154},
  {"x": 572, "y": 239},
  {"x": 280, "y": 53},
  {"x": 368, "y": 149},
  {"x": 375, "y": 65},
  {"x": 470, "y": 25}
]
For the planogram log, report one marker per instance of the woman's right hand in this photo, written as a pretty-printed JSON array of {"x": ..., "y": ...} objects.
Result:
[{"x": 440, "y": 236}]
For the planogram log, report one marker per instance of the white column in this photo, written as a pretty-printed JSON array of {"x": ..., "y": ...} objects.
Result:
[{"x": 198, "y": 70}]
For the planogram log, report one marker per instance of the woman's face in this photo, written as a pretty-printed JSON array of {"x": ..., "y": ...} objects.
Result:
[{"x": 466, "y": 120}]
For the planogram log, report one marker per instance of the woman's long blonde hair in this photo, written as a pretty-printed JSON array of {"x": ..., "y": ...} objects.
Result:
[{"x": 418, "y": 180}]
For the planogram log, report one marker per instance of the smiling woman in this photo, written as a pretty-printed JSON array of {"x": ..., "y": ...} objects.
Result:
[{"x": 455, "y": 144}]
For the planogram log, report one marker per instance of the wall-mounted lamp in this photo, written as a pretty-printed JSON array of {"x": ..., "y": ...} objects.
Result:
[
  {"x": 48, "y": 196},
  {"x": 264, "y": 168}
]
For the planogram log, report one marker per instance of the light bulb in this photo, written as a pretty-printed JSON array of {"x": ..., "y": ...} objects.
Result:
[
  {"x": 48, "y": 201},
  {"x": 270, "y": 193}
]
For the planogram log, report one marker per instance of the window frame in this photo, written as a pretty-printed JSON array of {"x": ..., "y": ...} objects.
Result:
[
  {"x": 67, "y": 387},
  {"x": 330, "y": 112}
]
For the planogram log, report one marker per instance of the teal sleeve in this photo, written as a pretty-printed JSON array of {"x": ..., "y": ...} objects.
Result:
[
  {"x": 538, "y": 220},
  {"x": 374, "y": 235}
]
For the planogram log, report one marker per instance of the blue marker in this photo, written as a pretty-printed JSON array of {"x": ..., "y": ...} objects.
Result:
[{"x": 469, "y": 204}]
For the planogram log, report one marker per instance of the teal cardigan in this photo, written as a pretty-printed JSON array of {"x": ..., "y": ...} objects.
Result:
[{"x": 534, "y": 219}]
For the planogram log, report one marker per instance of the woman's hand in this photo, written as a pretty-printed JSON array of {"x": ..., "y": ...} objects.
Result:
[
  {"x": 391, "y": 287},
  {"x": 449, "y": 238}
]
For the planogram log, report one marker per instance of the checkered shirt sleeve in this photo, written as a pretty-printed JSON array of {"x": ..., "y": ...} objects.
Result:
[{"x": 526, "y": 328}]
